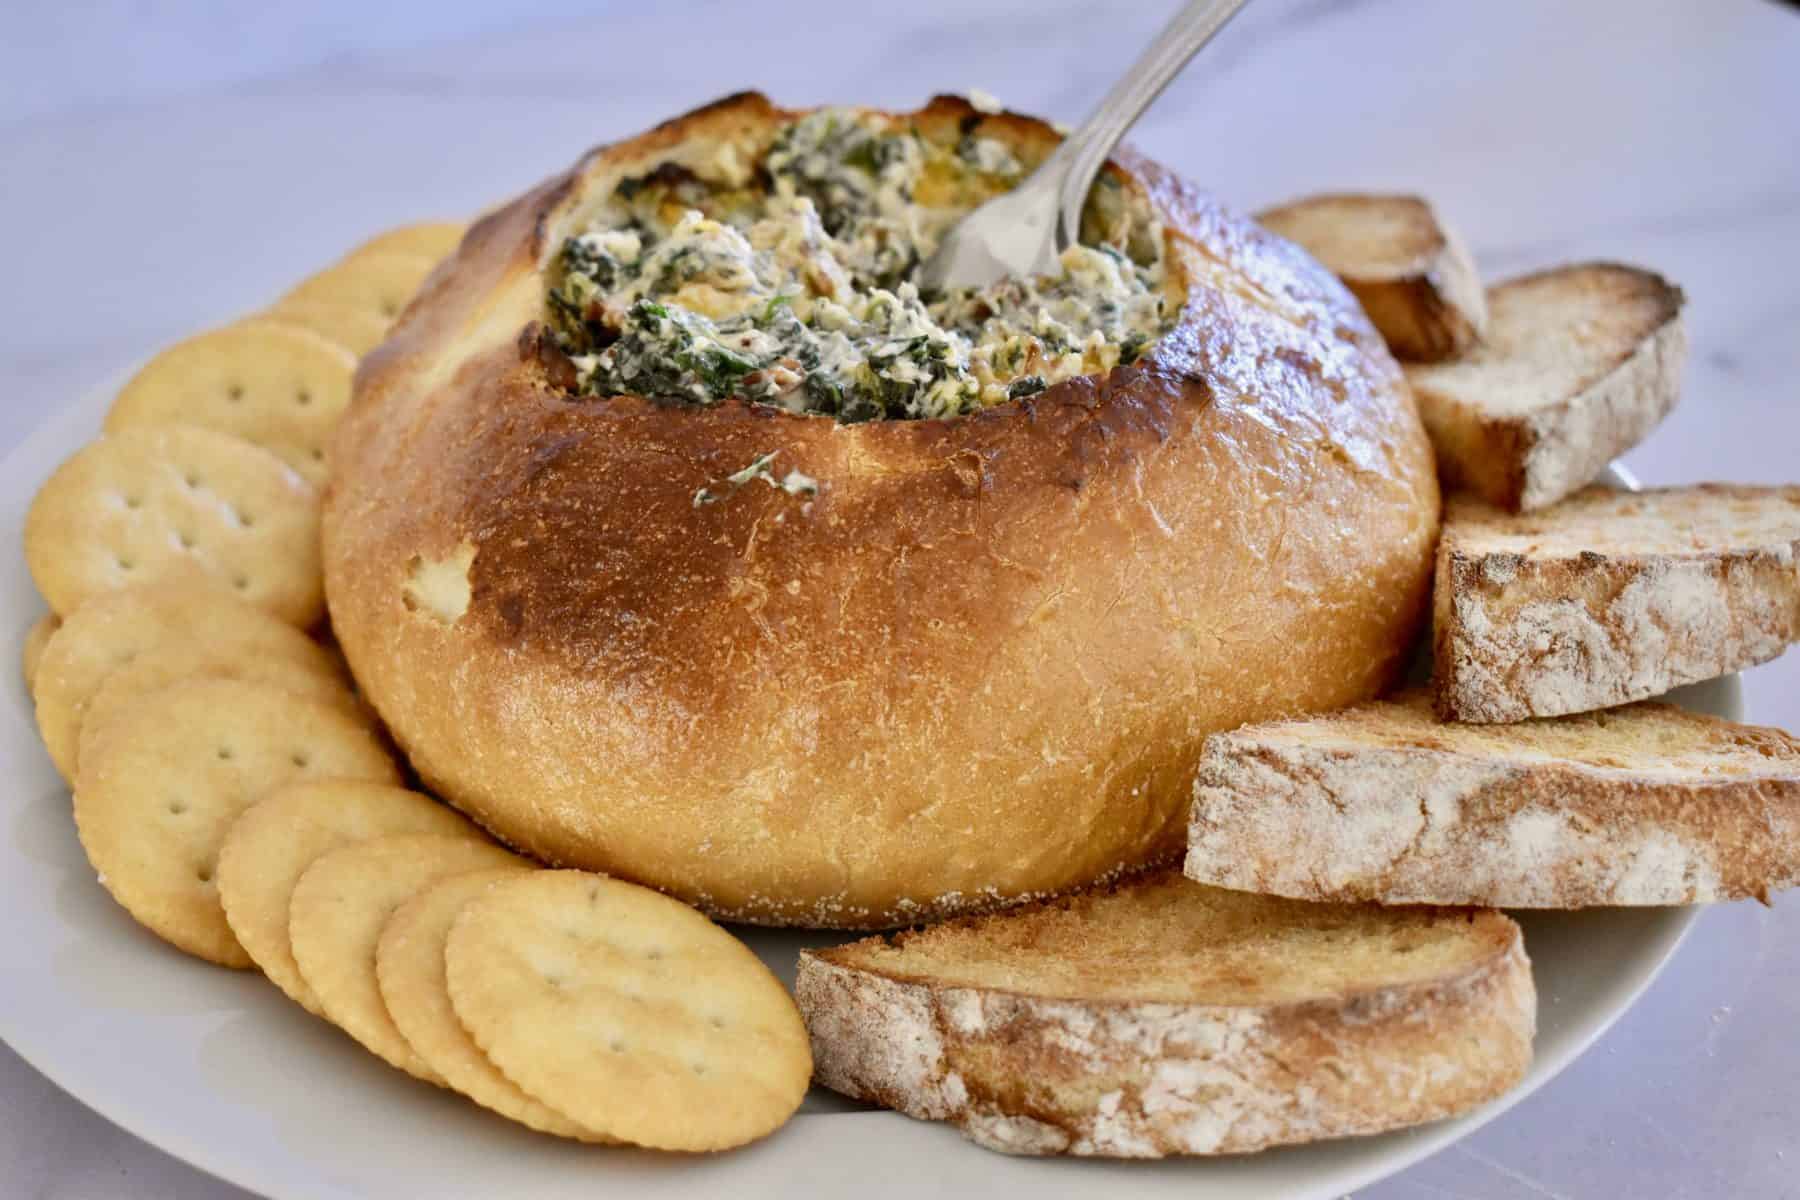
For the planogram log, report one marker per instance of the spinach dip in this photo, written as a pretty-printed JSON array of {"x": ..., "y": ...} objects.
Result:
[{"x": 795, "y": 287}]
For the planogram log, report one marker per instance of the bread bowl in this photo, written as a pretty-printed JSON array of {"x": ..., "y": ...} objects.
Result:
[{"x": 944, "y": 663}]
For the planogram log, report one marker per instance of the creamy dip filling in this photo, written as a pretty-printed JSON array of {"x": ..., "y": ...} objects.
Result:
[{"x": 796, "y": 289}]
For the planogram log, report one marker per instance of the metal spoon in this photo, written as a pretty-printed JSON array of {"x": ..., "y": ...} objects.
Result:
[{"x": 1025, "y": 231}]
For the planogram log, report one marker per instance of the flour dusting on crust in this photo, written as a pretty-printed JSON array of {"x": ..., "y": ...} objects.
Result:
[{"x": 1032, "y": 1075}]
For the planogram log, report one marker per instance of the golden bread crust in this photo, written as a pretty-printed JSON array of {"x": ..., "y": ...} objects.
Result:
[
  {"x": 1200, "y": 1064},
  {"x": 977, "y": 666},
  {"x": 1636, "y": 806}
]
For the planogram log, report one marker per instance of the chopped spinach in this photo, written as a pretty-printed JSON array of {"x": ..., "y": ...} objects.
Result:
[
  {"x": 794, "y": 483},
  {"x": 796, "y": 291}
]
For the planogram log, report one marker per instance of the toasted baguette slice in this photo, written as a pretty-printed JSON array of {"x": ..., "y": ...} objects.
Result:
[
  {"x": 1577, "y": 365},
  {"x": 1610, "y": 597},
  {"x": 1647, "y": 804},
  {"x": 1160, "y": 1017},
  {"x": 1412, "y": 275}
]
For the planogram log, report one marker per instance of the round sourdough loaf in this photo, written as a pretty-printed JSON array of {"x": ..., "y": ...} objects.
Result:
[{"x": 977, "y": 666}]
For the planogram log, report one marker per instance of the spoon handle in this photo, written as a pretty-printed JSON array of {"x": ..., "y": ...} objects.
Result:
[{"x": 1085, "y": 149}]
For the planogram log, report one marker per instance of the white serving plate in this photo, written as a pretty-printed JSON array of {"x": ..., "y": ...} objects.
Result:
[{"x": 218, "y": 1069}]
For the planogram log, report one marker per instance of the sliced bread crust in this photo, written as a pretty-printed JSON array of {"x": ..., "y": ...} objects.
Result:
[
  {"x": 1610, "y": 597},
  {"x": 1577, "y": 366},
  {"x": 1074, "y": 1067},
  {"x": 1643, "y": 805},
  {"x": 1410, "y": 271}
]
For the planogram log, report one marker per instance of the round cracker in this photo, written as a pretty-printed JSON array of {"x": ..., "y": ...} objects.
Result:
[
  {"x": 409, "y": 966},
  {"x": 355, "y": 329},
  {"x": 172, "y": 662},
  {"x": 276, "y": 384},
  {"x": 177, "y": 503},
  {"x": 271, "y": 845},
  {"x": 169, "y": 777},
  {"x": 36, "y": 638},
  {"x": 627, "y": 1011},
  {"x": 377, "y": 282},
  {"x": 116, "y": 628},
  {"x": 336, "y": 915},
  {"x": 435, "y": 240}
]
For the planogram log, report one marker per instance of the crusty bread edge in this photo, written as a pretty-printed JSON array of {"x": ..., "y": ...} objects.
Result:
[
  {"x": 1531, "y": 461},
  {"x": 1170, "y": 1079},
  {"x": 1571, "y": 444},
  {"x": 1431, "y": 313},
  {"x": 1427, "y": 826},
  {"x": 1515, "y": 637},
  {"x": 1429, "y": 307}
]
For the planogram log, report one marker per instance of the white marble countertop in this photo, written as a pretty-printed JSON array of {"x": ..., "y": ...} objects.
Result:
[{"x": 222, "y": 161}]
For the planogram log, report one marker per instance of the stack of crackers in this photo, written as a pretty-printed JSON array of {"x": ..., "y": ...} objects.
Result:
[{"x": 237, "y": 797}]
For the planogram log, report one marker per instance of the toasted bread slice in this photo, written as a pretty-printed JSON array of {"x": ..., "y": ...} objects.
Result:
[
  {"x": 1577, "y": 365},
  {"x": 1160, "y": 1017},
  {"x": 1611, "y": 597},
  {"x": 1647, "y": 804},
  {"x": 1412, "y": 274}
]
